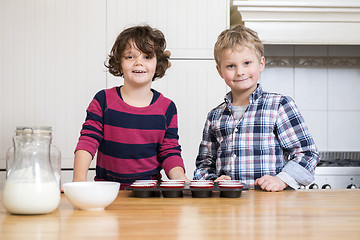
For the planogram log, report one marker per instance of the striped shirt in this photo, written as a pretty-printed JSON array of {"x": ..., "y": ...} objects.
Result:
[
  {"x": 132, "y": 143},
  {"x": 270, "y": 139}
]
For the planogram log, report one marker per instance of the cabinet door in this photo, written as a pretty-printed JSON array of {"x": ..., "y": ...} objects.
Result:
[
  {"x": 51, "y": 65},
  {"x": 190, "y": 27},
  {"x": 196, "y": 87}
]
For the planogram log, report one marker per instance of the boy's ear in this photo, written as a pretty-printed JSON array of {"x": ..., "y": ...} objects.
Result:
[
  {"x": 262, "y": 63},
  {"x": 219, "y": 71}
]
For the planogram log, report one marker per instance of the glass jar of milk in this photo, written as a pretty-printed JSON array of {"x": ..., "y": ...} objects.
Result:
[
  {"x": 55, "y": 154},
  {"x": 31, "y": 186}
]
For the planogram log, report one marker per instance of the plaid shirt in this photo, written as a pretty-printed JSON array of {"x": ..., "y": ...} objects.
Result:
[{"x": 270, "y": 139}]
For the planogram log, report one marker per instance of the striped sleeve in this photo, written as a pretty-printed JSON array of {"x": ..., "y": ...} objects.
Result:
[
  {"x": 91, "y": 133},
  {"x": 170, "y": 151}
]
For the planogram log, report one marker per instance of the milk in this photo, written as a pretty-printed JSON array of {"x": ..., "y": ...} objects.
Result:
[{"x": 21, "y": 197}]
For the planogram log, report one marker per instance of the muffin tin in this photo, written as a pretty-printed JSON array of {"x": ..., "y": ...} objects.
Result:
[
  {"x": 229, "y": 185},
  {"x": 144, "y": 188},
  {"x": 172, "y": 190},
  {"x": 198, "y": 189}
]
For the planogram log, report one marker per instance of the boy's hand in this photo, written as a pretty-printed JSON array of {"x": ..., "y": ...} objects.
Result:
[
  {"x": 222, "y": 177},
  {"x": 178, "y": 173},
  {"x": 271, "y": 183}
]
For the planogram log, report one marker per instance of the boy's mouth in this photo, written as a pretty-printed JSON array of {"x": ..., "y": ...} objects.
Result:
[
  {"x": 241, "y": 80},
  {"x": 138, "y": 71}
]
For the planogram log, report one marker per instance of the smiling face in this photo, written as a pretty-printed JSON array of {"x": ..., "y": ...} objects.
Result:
[
  {"x": 240, "y": 68},
  {"x": 137, "y": 67}
]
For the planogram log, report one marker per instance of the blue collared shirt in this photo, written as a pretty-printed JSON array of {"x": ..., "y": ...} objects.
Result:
[{"x": 271, "y": 138}]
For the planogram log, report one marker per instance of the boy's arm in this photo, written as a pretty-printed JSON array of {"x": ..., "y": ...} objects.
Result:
[
  {"x": 91, "y": 135},
  {"x": 81, "y": 165},
  {"x": 296, "y": 140},
  {"x": 169, "y": 154},
  {"x": 206, "y": 159},
  {"x": 178, "y": 173}
]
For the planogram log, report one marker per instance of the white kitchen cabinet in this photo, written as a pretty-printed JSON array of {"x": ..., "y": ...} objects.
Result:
[
  {"x": 190, "y": 27},
  {"x": 327, "y": 22}
]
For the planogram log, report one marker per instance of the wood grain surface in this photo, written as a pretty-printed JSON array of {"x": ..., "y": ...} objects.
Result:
[{"x": 303, "y": 214}]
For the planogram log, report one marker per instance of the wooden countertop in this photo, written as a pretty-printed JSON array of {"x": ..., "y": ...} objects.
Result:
[{"x": 303, "y": 214}]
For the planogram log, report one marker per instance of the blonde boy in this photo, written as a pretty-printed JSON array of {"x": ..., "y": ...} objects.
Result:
[{"x": 257, "y": 137}]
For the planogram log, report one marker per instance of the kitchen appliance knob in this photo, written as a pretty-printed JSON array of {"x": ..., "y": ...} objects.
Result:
[
  {"x": 326, "y": 186},
  {"x": 314, "y": 186},
  {"x": 351, "y": 186}
]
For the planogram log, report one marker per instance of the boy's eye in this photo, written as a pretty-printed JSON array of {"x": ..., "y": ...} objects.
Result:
[
  {"x": 128, "y": 57},
  {"x": 147, "y": 57},
  {"x": 247, "y": 63},
  {"x": 230, "y": 66}
]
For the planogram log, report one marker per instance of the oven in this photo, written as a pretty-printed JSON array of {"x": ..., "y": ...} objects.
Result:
[{"x": 337, "y": 170}]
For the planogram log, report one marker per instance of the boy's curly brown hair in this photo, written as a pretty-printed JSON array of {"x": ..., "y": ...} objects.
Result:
[{"x": 149, "y": 40}]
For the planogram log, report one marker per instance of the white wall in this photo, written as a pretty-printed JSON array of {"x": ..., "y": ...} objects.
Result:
[
  {"x": 328, "y": 98},
  {"x": 52, "y": 54}
]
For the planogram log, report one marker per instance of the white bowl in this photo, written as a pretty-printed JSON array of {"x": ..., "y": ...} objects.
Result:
[{"x": 91, "y": 195}]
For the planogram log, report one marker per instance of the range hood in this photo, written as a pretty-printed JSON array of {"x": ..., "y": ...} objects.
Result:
[{"x": 316, "y": 22}]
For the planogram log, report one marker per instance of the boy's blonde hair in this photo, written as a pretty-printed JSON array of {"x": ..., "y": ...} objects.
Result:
[{"x": 236, "y": 36}]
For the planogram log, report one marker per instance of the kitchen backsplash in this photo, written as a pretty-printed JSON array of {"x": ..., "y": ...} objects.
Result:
[{"x": 327, "y": 95}]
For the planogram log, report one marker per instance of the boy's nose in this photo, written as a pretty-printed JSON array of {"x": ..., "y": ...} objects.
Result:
[
  {"x": 138, "y": 61},
  {"x": 239, "y": 71}
]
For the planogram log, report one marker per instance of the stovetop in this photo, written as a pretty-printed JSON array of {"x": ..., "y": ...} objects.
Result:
[
  {"x": 339, "y": 159},
  {"x": 339, "y": 163},
  {"x": 337, "y": 170}
]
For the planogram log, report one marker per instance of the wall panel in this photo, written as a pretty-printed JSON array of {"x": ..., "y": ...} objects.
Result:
[{"x": 52, "y": 55}]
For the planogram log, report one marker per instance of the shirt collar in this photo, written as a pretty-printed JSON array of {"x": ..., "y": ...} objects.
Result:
[{"x": 252, "y": 98}]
